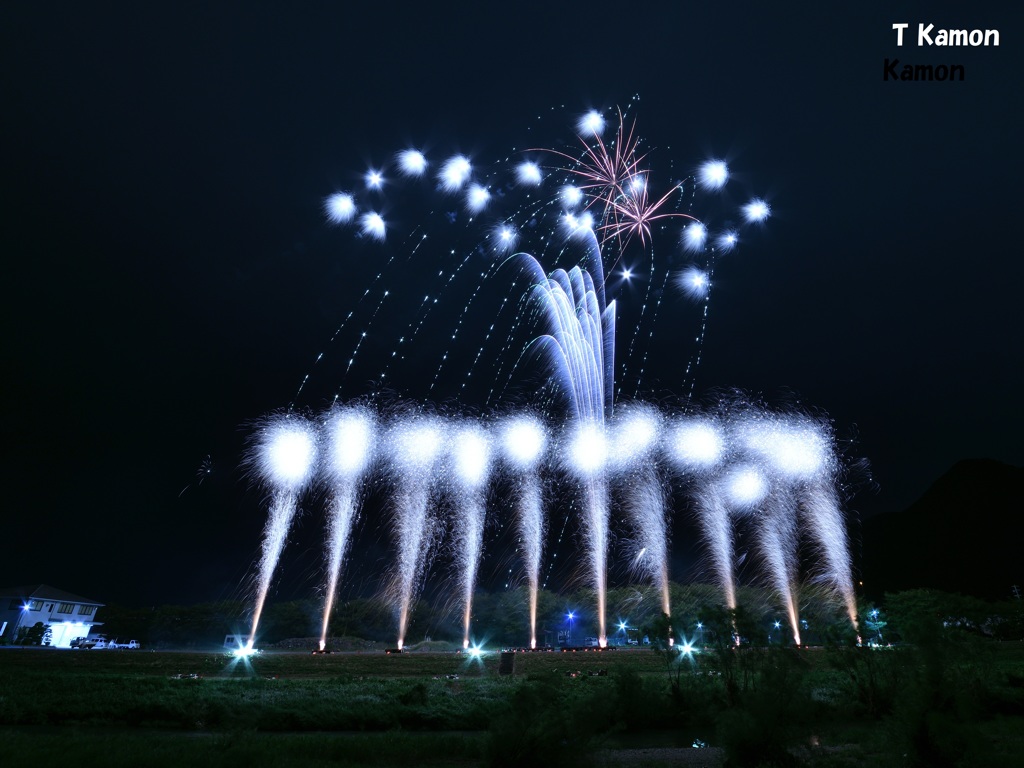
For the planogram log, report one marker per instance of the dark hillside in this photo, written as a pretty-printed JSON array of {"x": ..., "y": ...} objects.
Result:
[{"x": 965, "y": 534}]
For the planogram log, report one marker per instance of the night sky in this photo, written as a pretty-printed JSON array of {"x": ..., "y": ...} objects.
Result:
[{"x": 170, "y": 277}]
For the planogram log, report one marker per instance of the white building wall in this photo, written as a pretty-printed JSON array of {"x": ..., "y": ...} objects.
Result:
[{"x": 64, "y": 627}]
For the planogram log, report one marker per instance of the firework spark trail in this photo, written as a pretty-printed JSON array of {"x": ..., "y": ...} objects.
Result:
[
  {"x": 416, "y": 448},
  {"x": 651, "y": 281},
  {"x": 580, "y": 345},
  {"x": 472, "y": 460},
  {"x": 716, "y": 523},
  {"x": 344, "y": 323},
  {"x": 523, "y": 441},
  {"x": 581, "y": 332},
  {"x": 778, "y": 548},
  {"x": 697, "y": 448},
  {"x": 610, "y": 204},
  {"x": 825, "y": 519},
  {"x": 694, "y": 362},
  {"x": 527, "y": 310},
  {"x": 351, "y": 435},
  {"x": 596, "y": 514},
  {"x": 776, "y": 472},
  {"x": 532, "y": 529},
  {"x": 650, "y": 335},
  {"x": 430, "y": 299},
  {"x": 575, "y": 344},
  {"x": 342, "y": 516},
  {"x": 282, "y": 510},
  {"x": 799, "y": 452},
  {"x": 636, "y": 432},
  {"x": 285, "y": 459},
  {"x": 587, "y": 454},
  {"x": 485, "y": 276},
  {"x": 645, "y": 502}
]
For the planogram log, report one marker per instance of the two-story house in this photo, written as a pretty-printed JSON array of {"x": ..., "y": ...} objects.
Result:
[{"x": 68, "y": 616}]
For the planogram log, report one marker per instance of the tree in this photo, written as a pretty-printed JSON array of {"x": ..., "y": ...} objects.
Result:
[{"x": 34, "y": 635}]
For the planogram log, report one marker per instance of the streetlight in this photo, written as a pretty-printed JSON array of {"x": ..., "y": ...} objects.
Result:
[{"x": 571, "y": 616}]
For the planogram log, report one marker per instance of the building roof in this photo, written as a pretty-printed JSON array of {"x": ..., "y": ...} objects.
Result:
[{"x": 45, "y": 592}]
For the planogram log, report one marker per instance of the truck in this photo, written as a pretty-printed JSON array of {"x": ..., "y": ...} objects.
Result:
[{"x": 132, "y": 644}]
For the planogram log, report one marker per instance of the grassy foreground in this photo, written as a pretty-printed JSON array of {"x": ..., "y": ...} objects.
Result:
[{"x": 840, "y": 707}]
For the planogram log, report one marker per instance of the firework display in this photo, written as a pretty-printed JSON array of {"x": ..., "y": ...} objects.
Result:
[{"x": 555, "y": 227}]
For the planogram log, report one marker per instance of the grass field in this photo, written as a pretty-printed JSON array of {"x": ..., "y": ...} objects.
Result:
[{"x": 584, "y": 708}]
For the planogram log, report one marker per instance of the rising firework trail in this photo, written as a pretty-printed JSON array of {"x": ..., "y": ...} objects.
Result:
[
  {"x": 696, "y": 448},
  {"x": 524, "y": 440},
  {"x": 770, "y": 473},
  {"x": 587, "y": 458},
  {"x": 636, "y": 432},
  {"x": 471, "y": 457},
  {"x": 285, "y": 458},
  {"x": 415, "y": 452},
  {"x": 351, "y": 434}
]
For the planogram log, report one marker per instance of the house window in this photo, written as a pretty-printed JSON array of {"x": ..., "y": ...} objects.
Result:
[
  {"x": 35, "y": 605},
  {"x": 15, "y": 605},
  {"x": 86, "y": 610},
  {"x": 66, "y": 608}
]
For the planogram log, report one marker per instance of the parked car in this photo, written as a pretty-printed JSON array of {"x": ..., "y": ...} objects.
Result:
[{"x": 116, "y": 645}]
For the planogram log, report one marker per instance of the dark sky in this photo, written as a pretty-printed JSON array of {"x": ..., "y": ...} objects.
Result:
[{"x": 171, "y": 278}]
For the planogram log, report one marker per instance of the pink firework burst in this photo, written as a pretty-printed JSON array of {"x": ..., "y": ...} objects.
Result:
[{"x": 612, "y": 176}]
